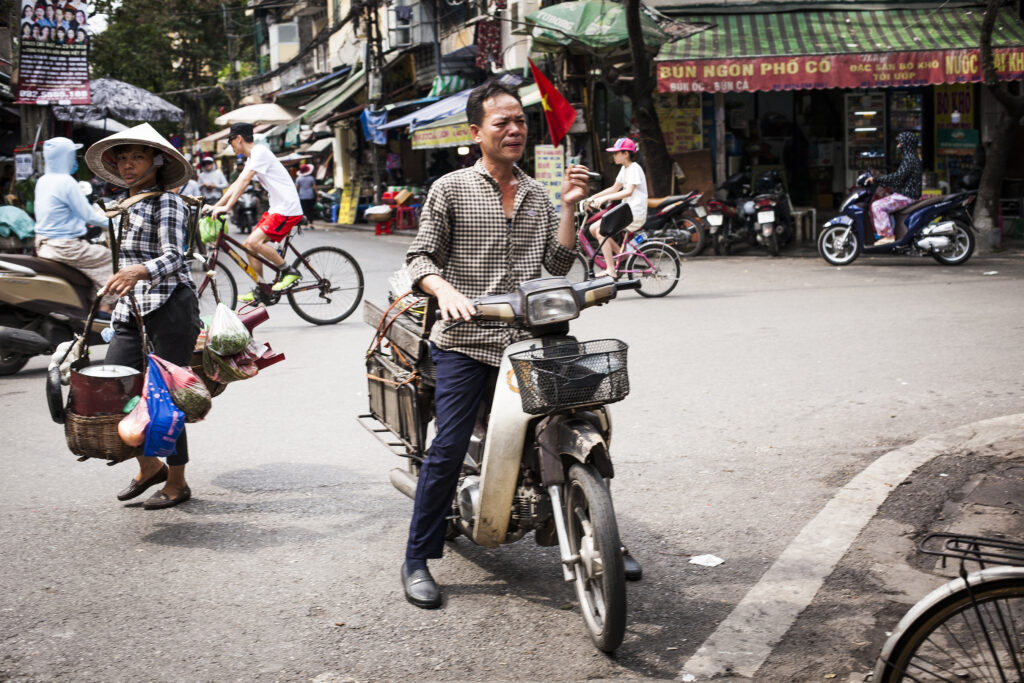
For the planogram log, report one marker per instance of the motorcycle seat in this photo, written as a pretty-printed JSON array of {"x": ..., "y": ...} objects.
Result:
[
  {"x": 659, "y": 202},
  {"x": 44, "y": 266},
  {"x": 919, "y": 204}
]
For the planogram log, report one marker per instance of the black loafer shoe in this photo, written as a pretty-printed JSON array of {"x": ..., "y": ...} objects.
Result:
[
  {"x": 136, "y": 488},
  {"x": 634, "y": 572},
  {"x": 160, "y": 500},
  {"x": 421, "y": 589}
]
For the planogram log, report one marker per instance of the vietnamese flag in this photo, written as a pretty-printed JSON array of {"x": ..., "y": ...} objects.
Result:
[{"x": 557, "y": 109}]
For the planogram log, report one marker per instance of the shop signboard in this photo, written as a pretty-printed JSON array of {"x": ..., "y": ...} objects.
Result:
[
  {"x": 681, "y": 122},
  {"x": 442, "y": 136},
  {"x": 549, "y": 166},
  {"x": 53, "y": 59},
  {"x": 956, "y": 141},
  {"x": 809, "y": 72},
  {"x": 23, "y": 166}
]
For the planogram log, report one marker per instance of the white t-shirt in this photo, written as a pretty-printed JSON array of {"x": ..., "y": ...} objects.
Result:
[
  {"x": 634, "y": 175},
  {"x": 271, "y": 174}
]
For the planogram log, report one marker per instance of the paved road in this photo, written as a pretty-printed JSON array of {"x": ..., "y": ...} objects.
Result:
[{"x": 760, "y": 388}]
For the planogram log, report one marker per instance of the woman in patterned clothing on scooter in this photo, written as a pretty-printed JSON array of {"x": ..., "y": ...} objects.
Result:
[{"x": 905, "y": 184}]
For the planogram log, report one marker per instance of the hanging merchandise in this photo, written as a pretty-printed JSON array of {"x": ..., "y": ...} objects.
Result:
[
  {"x": 227, "y": 334},
  {"x": 187, "y": 390},
  {"x": 372, "y": 121},
  {"x": 488, "y": 41}
]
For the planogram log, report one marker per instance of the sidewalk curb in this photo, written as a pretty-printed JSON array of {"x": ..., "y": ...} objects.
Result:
[{"x": 744, "y": 640}]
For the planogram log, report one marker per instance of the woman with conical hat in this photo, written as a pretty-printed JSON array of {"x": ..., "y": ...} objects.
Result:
[{"x": 153, "y": 268}]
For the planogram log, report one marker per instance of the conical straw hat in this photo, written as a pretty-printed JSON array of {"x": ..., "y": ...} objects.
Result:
[{"x": 177, "y": 170}]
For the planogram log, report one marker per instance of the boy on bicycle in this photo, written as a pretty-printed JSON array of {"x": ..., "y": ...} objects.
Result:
[{"x": 284, "y": 213}]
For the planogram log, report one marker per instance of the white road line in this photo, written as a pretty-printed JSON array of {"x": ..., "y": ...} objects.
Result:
[{"x": 741, "y": 643}]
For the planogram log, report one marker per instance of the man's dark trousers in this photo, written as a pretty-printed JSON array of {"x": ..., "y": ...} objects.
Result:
[{"x": 462, "y": 383}]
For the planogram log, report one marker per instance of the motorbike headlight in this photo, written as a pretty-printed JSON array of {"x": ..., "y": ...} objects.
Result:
[{"x": 551, "y": 306}]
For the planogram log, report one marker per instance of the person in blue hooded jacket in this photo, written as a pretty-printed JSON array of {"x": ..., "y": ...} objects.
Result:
[{"x": 61, "y": 215}]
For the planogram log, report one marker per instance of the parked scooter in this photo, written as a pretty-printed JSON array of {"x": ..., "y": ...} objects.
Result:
[
  {"x": 247, "y": 210},
  {"x": 940, "y": 227},
  {"x": 42, "y": 303},
  {"x": 679, "y": 221},
  {"x": 758, "y": 217},
  {"x": 539, "y": 459}
]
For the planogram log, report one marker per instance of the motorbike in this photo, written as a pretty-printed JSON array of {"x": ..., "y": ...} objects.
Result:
[
  {"x": 540, "y": 456},
  {"x": 940, "y": 227},
  {"x": 246, "y": 211},
  {"x": 679, "y": 221},
  {"x": 758, "y": 215},
  {"x": 42, "y": 303}
]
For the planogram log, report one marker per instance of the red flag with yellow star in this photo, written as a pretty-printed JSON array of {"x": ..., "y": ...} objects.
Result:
[{"x": 557, "y": 109}]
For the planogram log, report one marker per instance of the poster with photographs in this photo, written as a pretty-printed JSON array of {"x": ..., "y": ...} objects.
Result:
[{"x": 54, "y": 57}]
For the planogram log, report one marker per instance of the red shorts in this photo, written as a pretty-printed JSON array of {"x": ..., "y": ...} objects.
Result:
[{"x": 277, "y": 226}]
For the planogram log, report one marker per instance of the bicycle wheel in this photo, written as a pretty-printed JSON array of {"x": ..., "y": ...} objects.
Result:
[
  {"x": 220, "y": 287},
  {"x": 961, "y": 633},
  {"x": 580, "y": 270},
  {"x": 330, "y": 285},
  {"x": 657, "y": 270}
]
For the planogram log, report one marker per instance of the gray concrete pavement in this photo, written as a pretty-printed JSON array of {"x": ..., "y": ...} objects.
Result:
[{"x": 760, "y": 389}]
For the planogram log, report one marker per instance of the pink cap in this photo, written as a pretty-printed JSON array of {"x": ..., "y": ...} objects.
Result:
[{"x": 622, "y": 144}]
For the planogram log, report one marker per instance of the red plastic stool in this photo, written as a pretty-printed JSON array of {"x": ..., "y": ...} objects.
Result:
[
  {"x": 405, "y": 217},
  {"x": 384, "y": 227}
]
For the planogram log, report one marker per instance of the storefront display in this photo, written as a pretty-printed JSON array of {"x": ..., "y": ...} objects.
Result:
[{"x": 865, "y": 134}]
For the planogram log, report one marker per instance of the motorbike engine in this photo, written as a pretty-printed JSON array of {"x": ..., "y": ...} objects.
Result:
[
  {"x": 467, "y": 502},
  {"x": 935, "y": 243},
  {"x": 531, "y": 507}
]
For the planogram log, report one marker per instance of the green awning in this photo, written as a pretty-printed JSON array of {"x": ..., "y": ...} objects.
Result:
[
  {"x": 840, "y": 32},
  {"x": 810, "y": 49},
  {"x": 324, "y": 104},
  {"x": 594, "y": 24}
]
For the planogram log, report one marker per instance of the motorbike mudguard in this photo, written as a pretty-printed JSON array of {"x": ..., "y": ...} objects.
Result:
[
  {"x": 579, "y": 436},
  {"x": 503, "y": 451}
]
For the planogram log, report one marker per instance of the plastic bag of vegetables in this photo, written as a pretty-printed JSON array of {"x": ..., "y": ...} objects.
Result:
[
  {"x": 132, "y": 427},
  {"x": 228, "y": 335},
  {"x": 231, "y": 368},
  {"x": 188, "y": 392}
]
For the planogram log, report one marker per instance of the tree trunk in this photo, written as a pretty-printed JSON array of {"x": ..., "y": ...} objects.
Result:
[
  {"x": 1011, "y": 108},
  {"x": 986, "y": 211},
  {"x": 652, "y": 141}
]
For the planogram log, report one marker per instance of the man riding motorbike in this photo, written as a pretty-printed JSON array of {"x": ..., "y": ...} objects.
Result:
[
  {"x": 905, "y": 183},
  {"x": 62, "y": 212},
  {"x": 483, "y": 230}
]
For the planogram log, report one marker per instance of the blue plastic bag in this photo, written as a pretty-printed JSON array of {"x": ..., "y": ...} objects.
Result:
[{"x": 166, "y": 420}]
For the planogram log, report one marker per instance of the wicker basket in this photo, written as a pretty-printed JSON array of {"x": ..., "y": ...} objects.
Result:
[
  {"x": 95, "y": 436},
  {"x": 571, "y": 374}
]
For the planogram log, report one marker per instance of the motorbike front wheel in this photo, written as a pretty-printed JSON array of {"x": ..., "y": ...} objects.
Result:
[
  {"x": 594, "y": 537},
  {"x": 963, "y": 247},
  {"x": 838, "y": 245}
]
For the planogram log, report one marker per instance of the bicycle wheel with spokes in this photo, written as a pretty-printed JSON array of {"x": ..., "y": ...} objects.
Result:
[
  {"x": 961, "y": 632},
  {"x": 657, "y": 270},
  {"x": 580, "y": 270},
  {"x": 594, "y": 537},
  {"x": 330, "y": 285},
  {"x": 213, "y": 286}
]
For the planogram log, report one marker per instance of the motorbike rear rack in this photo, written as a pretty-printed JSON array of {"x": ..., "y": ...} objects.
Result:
[{"x": 394, "y": 443}]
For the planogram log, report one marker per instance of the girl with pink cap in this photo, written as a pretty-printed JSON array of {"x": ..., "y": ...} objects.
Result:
[{"x": 631, "y": 187}]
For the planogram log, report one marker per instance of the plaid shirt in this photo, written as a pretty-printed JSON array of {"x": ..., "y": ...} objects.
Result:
[
  {"x": 465, "y": 238},
  {"x": 155, "y": 235}
]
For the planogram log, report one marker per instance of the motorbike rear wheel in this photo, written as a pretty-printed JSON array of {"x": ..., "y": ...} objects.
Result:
[
  {"x": 963, "y": 247},
  {"x": 772, "y": 242},
  {"x": 836, "y": 249},
  {"x": 692, "y": 238},
  {"x": 594, "y": 537},
  {"x": 11, "y": 361}
]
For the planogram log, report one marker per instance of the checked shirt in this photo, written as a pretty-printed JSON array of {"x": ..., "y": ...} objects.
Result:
[
  {"x": 465, "y": 238},
  {"x": 155, "y": 235}
]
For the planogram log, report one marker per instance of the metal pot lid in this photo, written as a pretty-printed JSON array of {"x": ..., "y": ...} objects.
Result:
[{"x": 108, "y": 371}]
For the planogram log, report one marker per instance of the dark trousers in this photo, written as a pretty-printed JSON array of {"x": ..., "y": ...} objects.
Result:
[
  {"x": 308, "y": 208},
  {"x": 172, "y": 330},
  {"x": 462, "y": 383}
]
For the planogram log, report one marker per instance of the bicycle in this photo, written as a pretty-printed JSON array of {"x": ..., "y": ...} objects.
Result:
[
  {"x": 968, "y": 629},
  {"x": 654, "y": 263},
  {"x": 328, "y": 290}
]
